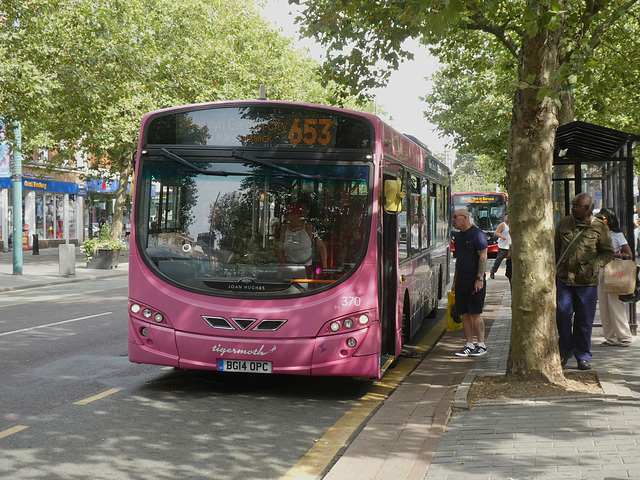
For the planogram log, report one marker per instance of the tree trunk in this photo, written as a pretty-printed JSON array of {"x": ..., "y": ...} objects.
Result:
[
  {"x": 566, "y": 113},
  {"x": 533, "y": 351},
  {"x": 121, "y": 196}
]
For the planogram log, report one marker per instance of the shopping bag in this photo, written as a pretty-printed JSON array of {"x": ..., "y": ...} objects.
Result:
[
  {"x": 635, "y": 295},
  {"x": 620, "y": 277},
  {"x": 454, "y": 322}
]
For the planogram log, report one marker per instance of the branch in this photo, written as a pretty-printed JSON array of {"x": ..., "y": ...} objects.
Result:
[
  {"x": 596, "y": 38},
  {"x": 479, "y": 22}
]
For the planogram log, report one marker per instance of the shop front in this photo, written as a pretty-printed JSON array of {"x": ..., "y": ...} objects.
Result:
[{"x": 52, "y": 210}]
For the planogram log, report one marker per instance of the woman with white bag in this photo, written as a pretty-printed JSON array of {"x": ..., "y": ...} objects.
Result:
[{"x": 613, "y": 313}]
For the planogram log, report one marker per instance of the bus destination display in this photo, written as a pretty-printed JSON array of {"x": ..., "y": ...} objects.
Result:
[
  {"x": 259, "y": 127},
  {"x": 475, "y": 199}
]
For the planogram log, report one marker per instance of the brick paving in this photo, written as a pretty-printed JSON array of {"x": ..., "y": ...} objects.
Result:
[{"x": 575, "y": 437}]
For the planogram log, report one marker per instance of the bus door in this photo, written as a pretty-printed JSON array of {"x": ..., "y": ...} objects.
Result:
[{"x": 391, "y": 230}]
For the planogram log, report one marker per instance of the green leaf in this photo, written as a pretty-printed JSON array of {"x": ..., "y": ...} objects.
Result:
[
  {"x": 436, "y": 24},
  {"x": 452, "y": 11}
]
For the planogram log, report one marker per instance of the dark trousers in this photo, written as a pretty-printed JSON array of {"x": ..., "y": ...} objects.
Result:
[
  {"x": 579, "y": 303},
  {"x": 502, "y": 254}
]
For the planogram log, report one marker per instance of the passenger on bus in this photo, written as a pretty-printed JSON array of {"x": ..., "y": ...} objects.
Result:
[
  {"x": 425, "y": 233},
  {"x": 415, "y": 232},
  {"x": 296, "y": 238}
]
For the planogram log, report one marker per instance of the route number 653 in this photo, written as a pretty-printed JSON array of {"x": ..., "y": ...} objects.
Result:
[{"x": 314, "y": 130}]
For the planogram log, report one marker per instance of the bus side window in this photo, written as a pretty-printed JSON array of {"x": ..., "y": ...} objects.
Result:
[
  {"x": 414, "y": 215},
  {"x": 434, "y": 214},
  {"x": 424, "y": 227},
  {"x": 404, "y": 224}
]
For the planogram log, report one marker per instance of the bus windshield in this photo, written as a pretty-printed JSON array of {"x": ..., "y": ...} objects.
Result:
[{"x": 247, "y": 227}]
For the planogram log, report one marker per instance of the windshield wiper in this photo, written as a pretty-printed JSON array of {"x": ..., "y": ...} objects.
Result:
[
  {"x": 266, "y": 163},
  {"x": 176, "y": 158}
]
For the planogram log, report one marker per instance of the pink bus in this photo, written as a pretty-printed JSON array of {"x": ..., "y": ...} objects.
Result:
[{"x": 282, "y": 238}]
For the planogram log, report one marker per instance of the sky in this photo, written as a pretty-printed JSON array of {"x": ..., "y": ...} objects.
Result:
[{"x": 400, "y": 99}]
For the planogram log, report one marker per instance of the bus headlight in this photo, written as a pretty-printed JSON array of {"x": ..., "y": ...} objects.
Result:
[
  {"x": 335, "y": 326},
  {"x": 135, "y": 308},
  {"x": 363, "y": 319},
  {"x": 158, "y": 317},
  {"x": 146, "y": 313},
  {"x": 352, "y": 342},
  {"x": 348, "y": 323}
]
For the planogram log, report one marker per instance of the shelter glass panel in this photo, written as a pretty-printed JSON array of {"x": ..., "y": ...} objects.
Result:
[{"x": 563, "y": 192}]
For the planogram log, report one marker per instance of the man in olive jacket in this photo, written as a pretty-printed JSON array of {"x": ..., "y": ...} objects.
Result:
[{"x": 583, "y": 247}]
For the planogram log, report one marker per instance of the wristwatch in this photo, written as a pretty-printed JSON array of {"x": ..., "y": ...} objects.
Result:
[{"x": 483, "y": 278}]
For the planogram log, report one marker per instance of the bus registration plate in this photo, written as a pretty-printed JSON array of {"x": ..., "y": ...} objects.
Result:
[{"x": 243, "y": 366}]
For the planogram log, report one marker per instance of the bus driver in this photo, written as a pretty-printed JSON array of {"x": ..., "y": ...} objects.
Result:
[{"x": 296, "y": 238}]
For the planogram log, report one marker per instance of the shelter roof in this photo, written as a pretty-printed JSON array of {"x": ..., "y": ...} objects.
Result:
[{"x": 585, "y": 141}]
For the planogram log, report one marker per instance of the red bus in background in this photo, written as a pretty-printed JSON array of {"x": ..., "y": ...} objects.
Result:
[{"x": 487, "y": 211}]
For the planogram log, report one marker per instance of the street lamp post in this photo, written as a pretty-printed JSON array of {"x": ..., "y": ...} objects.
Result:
[
  {"x": 17, "y": 191},
  {"x": 17, "y": 200}
]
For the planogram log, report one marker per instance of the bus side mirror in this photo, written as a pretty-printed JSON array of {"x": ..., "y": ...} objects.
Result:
[{"x": 393, "y": 196}]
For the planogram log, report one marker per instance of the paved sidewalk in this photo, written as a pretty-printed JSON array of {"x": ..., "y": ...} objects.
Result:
[
  {"x": 400, "y": 439},
  {"x": 577, "y": 437},
  {"x": 44, "y": 269}
]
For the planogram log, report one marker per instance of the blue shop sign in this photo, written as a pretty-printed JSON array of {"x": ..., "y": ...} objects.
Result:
[{"x": 42, "y": 185}]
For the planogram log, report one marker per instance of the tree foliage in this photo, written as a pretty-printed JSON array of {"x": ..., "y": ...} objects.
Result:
[
  {"x": 472, "y": 96},
  {"x": 475, "y": 174},
  {"x": 477, "y": 81}
]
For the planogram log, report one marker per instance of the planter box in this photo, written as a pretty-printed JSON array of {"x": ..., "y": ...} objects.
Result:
[{"x": 103, "y": 259}]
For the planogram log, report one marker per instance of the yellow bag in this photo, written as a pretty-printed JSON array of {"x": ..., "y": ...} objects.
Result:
[{"x": 454, "y": 322}]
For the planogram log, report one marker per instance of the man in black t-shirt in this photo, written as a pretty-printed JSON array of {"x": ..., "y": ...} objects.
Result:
[{"x": 469, "y": 281}]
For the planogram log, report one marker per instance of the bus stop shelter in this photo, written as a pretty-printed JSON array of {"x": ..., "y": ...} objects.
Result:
[{"x": 598, "y": 161}]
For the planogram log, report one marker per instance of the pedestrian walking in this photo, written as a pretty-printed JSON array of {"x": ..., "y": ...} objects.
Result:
[
  {"x": 509, "y": 267},
  {"x": 613, "y": 313},
  {"x": 469, "y": 281},
  {"x": 582, "y": 246},
  {"x": 504, "y": 242}
]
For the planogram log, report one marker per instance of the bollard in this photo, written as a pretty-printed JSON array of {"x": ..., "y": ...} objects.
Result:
[
  {"x": 72, "y": 259},
  {"x": 67, "y": 260},
  {"x": 35, "y": 247}
]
